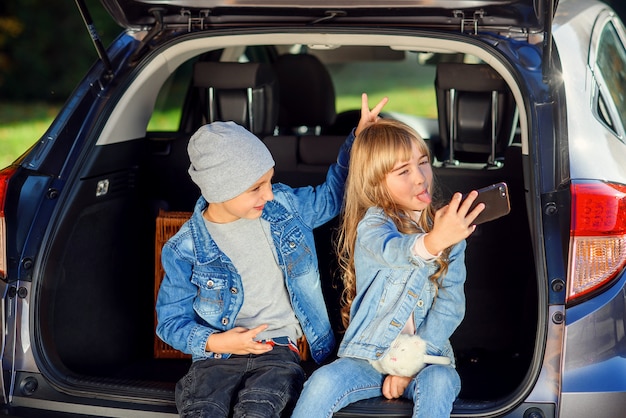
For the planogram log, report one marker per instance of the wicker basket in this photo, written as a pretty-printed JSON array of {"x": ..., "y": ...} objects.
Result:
[{"x": 167, "y": 224}]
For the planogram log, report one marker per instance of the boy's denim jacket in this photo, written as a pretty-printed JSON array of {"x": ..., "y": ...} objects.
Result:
[
  {"x": 201, "y": 292},
  {"x": 393, "y": 284}
]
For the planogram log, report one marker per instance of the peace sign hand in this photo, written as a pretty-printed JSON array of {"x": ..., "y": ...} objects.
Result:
[{"x": 369, "y": 117}]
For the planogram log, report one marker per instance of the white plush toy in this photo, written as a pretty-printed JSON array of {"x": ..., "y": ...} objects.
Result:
[{"x": 406, "y": 357}]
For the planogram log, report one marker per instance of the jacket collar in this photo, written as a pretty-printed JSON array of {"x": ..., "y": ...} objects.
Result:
[{"x": 205, "y": 248}]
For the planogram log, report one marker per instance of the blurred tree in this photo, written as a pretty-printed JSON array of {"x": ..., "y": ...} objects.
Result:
[
  {"x": 45, "y": 47},
  {"x": 10, "y": 28}
]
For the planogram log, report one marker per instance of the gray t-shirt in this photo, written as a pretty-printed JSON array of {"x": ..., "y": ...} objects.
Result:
[{"x": 248, "y": 244}]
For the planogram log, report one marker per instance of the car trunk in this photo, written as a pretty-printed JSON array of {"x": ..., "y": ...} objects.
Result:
[
  {"x": 97, "y": 300},
  {"x": 95, "y": 319}
]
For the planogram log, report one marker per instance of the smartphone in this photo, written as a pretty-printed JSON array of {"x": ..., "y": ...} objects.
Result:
[{"x": 496, "y": 200}]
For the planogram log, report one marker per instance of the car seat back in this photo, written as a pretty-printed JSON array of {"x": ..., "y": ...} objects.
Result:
[
  {"x": 307, "y": 95},
  {"x": 245, "y": 93}
]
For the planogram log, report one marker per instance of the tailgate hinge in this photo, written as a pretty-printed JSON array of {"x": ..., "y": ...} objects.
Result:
[
  {"x": 157, "y": 13},
  {"x": 195, "y": 22},
  {"x": 469, "y": 22}
]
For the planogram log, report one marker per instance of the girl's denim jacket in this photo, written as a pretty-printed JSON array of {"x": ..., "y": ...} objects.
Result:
[
  {"x": 201, "y": 292},
  {"x": 392, "y": 284}
]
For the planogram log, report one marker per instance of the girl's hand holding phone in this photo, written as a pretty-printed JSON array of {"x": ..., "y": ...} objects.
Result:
[{"x": 453, "y": 222}]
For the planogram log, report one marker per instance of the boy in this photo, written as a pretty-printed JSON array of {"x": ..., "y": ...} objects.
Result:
[{"x": 241, "y": 279}]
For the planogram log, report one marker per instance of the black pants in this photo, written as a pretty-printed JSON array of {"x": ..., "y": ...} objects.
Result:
[{"x": 264, "y": 385}]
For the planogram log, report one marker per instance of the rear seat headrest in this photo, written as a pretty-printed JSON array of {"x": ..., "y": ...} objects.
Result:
[
  {"x": 245, "y": 93},
  {"x": 307, "y": 94},
  {"x": 477, "y": 113}
]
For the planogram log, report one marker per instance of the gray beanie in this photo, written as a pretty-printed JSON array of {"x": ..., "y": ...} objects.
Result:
[{"x": 226, "y": 160}]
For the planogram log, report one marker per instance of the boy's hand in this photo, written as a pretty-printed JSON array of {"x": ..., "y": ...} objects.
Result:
[
  {"x": 238, "y": 340},
  {"x": 369, "y": 117},
  {"x": 394, "y": 386}
]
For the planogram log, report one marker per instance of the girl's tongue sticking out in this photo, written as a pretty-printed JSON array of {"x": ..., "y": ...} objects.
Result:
[{"x": 424, "y": 197}]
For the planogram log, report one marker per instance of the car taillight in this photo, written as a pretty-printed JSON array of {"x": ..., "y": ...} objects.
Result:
[
  {"x": 5, "y": 175},
  {"x": 597, "y": 250}
]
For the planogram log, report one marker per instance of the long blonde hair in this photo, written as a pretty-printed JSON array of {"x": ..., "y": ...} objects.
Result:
[{"x": 374, "y": 154}]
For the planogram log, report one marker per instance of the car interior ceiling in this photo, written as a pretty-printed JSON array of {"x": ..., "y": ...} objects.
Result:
[{"x": 98, "y": 292}]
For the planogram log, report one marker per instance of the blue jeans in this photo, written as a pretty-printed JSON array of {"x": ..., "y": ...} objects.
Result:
[
  {"x": 265, "y": 385},
  {"x": 347, "y": 380}
]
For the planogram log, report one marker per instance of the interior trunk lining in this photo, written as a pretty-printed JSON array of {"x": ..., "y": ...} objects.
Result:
[{"x": 98, "y": 285}]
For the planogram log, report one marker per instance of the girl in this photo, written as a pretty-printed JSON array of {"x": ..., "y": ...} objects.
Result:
[{"x": 403, "y": 270}]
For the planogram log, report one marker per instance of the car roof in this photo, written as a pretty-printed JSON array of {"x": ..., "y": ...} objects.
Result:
[{"x": 525, "y": 15}]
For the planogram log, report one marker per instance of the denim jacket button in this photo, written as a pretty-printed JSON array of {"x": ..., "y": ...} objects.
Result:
[
  {"x": 292, "y": 244},
  {"x": 217, "y": 356},
  {"x": 210, "y": 283},
  {"x": 233, "y": 290},
  {"x": 224, "y": 321},
  {"x": 420, "y": 303}
]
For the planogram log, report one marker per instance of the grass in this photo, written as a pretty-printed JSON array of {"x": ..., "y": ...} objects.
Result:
[
  {"x": 21, "y": 125},
  {"x": 410, "y": 88}
]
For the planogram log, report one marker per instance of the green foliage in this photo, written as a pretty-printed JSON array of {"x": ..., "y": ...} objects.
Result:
[
  {"x": 35, "y": 60},
  {"x": 10, "y": 29}
]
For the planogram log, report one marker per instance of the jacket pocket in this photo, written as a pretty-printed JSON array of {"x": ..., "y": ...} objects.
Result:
[
  {"x": 211, "y": 292},
  {"x": 297, "y": 254}
]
